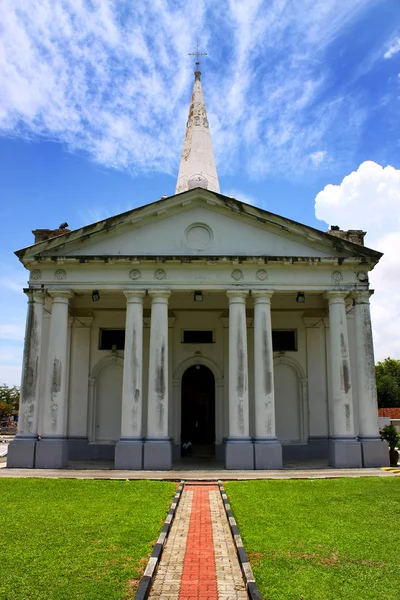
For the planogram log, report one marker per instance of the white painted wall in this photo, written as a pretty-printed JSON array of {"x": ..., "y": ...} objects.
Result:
[{"x": 168, "y": 235}]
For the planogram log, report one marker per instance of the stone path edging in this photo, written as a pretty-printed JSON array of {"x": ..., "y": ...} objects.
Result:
[
  {"x": 151, "y": 569},
  {"x": 247, "y": 571}
]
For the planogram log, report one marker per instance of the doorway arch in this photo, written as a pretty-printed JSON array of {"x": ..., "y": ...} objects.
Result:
[
  {"x": 291, "y": 405},
  {"x": 198, "y": 406},
  {"x": 175, "y": 423}
]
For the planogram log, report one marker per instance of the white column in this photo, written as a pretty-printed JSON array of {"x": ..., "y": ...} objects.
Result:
[
  {"x": 157, "y": 450},
  {"x": 345, "y": 451},
  {"x": 52, "y": 450},
  {"x": 129, "y": 450},
  {"x": 131, "y": 424},
  {"x": 21, "y": 452},
  {"x": 267, "y": 449},
  {"x": 264, "y": 394},
  {"x": 239, "y": 448},
  {"x": 374, "y": 450}
]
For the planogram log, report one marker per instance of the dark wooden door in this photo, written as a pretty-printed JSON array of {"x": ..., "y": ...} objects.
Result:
[{"x": 198, "y": 406}]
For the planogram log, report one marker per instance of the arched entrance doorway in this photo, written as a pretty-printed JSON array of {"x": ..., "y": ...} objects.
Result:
[
  {"x": 198, "y": 409},
  {"x": 287, "y": 404}
]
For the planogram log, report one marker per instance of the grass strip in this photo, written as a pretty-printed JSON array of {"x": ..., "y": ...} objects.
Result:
[
  {"x": 67, "y": 539},
  {"x": 335, "y": 539}
]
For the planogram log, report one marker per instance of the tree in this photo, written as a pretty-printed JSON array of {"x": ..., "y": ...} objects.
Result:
[
  {"x": 9, "y": 400},
  {"x": 388, "y": 383}
]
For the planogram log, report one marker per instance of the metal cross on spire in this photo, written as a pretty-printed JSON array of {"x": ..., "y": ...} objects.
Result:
[{"x": 197, "y": 53}]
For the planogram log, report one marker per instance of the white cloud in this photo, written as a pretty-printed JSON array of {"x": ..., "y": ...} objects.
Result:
[
  {"x": 318, "y": 157},
  {"x": 112, "y": 79},
  {"x": 394, "y": 49},
  {"x": 369, "y": 199}
]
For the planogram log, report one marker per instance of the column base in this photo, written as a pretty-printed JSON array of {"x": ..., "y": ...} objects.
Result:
[
  {"x": 345, "y": 454},
  {"x": 239, "y": 455},
  {"x": 375, "y": 453},
  {"x": 129, "y": 455},
  {"x": 267, "y": 454},
  {"x": 21, "y": 453},
  {"x": 157, "y": 455},
  {"x": 51, "y": 454}
]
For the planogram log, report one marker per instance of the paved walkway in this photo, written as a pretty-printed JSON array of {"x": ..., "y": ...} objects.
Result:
[
  {"x": 199, "y": 561},
  {"x": 192, "y": 474}
]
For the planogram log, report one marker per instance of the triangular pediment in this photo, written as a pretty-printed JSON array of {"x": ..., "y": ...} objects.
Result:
[{"x": 196, "y": 223}]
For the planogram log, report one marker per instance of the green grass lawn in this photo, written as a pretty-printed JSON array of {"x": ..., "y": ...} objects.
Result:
[
  {"x": 321, "y": 539},
  {"x": 63, "y": 539}
]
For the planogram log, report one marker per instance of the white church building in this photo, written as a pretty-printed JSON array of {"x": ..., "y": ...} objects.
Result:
[{"x": 198, "y": 319}]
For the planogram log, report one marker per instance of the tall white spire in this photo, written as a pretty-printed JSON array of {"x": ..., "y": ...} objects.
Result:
[{"x": 197, "y": 168}]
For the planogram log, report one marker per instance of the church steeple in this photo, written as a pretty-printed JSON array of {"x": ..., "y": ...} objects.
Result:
[{"x": 197, "y": 168}]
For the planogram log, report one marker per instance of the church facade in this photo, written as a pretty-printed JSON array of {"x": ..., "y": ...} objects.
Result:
[{"x": 198, "y": 321}]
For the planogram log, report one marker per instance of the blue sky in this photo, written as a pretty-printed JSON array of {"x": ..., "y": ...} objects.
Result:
[{"x": 300, "y": 95}]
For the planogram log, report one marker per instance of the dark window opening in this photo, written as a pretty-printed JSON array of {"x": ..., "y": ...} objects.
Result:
[
  {"x": 112, "y": 339},
  {"x": 284, "y": 340},
  {"x": 198, "y": 337}
]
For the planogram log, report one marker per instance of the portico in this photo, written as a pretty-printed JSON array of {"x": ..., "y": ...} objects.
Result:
[{"x": 241, "y": 357}]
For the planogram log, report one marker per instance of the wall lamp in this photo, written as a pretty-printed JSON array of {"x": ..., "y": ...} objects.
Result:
[
  {"x": 198, "y": 296},
  {"x": 95, "y": 296},
  {"x": 301, "y": 297}
]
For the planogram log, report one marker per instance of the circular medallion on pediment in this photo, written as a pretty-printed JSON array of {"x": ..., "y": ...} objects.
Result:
[
  {"x": 134, "y": 274},
  {"x": 36, "y": 274},
  {"x": 237, "y": 274},
  {"x": 60, "y": 274},
  {"x": 198, "y": 236},
  {"x": 337, "y": 277},
  {"x": 262, "y": 274},
  {"x": 362, "y": 276},
  {"x": 160, "y": 274}
]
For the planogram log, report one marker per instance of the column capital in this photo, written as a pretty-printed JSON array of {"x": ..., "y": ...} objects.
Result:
[
  {"x": 237, "y": 296},
  {"x": 336, "y": 296},
  {"x": 61, "y": 295},
  {"x": 134, "y": 296},
  {"x": 37, "y": 296},
  {"x": 361, "y": 296},
  {"x": 159, "y": 295},
  {"x": 262, "y": 296}
]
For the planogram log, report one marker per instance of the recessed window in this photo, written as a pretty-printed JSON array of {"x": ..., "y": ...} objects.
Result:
[
  {"x": 284, "y": 340},
  {"x": 199, "y": 336},
  {"x": 112, "y": 339}
]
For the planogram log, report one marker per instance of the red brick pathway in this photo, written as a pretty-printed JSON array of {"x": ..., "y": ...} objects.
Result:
[
  {"x": 199, "y": 577},
  {"x": 199, "y": 561}
]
